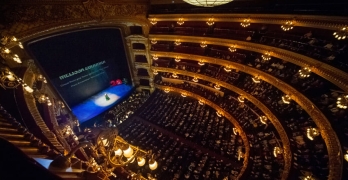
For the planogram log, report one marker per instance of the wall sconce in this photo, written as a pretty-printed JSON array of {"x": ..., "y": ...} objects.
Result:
[
  {"x": 155, "y": 72},
  {"x": 245, "y": 23},
  {"x": 276, "y": 151},
  {"x": 235, "y": 131},
  {"x": 166, "y": 90},
  {"x": 180, "y": 21},
  {"x": 174, "y": 75},
  {"x": 210, "y": 21},
  {"x": 8, "y": 80},
  {"x": 41, "y": 78},
  {"x": 227, "y": 69},
  {"x": 195, "y": 79},
  {"x": 183, "y": 95}
]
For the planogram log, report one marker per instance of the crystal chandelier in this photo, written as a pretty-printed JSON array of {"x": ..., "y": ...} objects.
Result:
[
  {"x": 287, "y": 25},
  {"x": 341, "y": 34},
  {"x": 245, "y": 23},
  {"x": 304, "y": 72},
  {"x": 205, "y": 3}
]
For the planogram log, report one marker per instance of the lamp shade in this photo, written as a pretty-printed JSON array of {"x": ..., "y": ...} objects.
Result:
[
  {"x": 141, "y": 161},
  {"x": 128, "y": 152},
  {"x": 118, "y": 152},
  {"x": 153, "y": 165},
  {"x": 206, "y": 3}
]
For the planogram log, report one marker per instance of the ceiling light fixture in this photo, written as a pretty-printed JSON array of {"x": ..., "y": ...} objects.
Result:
[
  {"x": 287, "y": 25},
  {"x": 205, "y": 3},
  {"x": 304, "y": 72},
  {"x": 341, "y": 34}
]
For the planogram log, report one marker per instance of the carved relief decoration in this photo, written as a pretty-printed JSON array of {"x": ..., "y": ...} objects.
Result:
[{"x": 95, "y": 9}]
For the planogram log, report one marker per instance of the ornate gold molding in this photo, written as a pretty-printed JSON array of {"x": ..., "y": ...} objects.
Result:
[
  {"x": 328, "y": 134},
  {"x": 313, "y": 21},
  {"x": 31, "y": 103},
  {"x": 334, "y": 75},
  {"x": 283, "y": 136},
  {"x": 225, "y": 114}
]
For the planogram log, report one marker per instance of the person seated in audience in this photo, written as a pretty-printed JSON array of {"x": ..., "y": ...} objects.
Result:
[{"x": 308, "y": 35}]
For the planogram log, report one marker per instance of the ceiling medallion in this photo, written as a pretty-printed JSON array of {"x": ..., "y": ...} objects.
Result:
[{"x": 205, "y": 3}]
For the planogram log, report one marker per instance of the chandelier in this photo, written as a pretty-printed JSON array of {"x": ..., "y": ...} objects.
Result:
[
  {"x": 195, "y": 79},
  {"x": 153, "y": 41},
  {"x": 177, "y": 42},
  {"x": 263, "y": 119},
  {"x": 256, "y": 79},
  {"x": 180, "y": 21},
  {"x": 153, "y": 21},
  {"x": 245, "y": 23},
  {"x": 218, "y": 113},
  {"x": 155, "y": 72},
  {"x": 227, "y": 69},
  {"x": 286, "y": 99},
  {"x": 203, "y": 44},
  {"x": 240, "y": 99},
  {"x": 205, "y": 3},
  {"x": 287, "y": 25},
  {"x": 210, "y": 21},
  {"x": 232, "y": 48},
  {"x": 266, "y": 56},
  {"x": 342, "y": 101},
  {"x": 154, "y": 57},
  {"x": 200, "y": 102},
  {"x": 341, "y": 34},
  {"x": 304, "y": 72},
  {"x": 312, "y": 132},
  {"x": 108, "y": 152},
  {"x": 201, "y": 63},
  {"x": 177, "y": 59},
  {"x": 8, "y": 80},
  {"x": 175, "y": 75}
]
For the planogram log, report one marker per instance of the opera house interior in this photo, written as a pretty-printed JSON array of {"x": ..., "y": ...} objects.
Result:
[{"x": 173, "y": 89}]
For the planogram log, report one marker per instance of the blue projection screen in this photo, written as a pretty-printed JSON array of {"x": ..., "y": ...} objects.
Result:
[{"x": 99, "y": 102}]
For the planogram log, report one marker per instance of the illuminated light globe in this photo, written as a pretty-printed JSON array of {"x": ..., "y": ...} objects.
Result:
[
  {"x": 118, "y": 152},
  {"x": 128, "y": 152},
  {"x": 153, "y": 164},
  {"x": 206, "y": 3},
  {"x": 141, "y": 161}
]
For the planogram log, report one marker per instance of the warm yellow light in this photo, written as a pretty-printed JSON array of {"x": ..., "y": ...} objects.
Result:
[
  {"x": 177, "y": 42},
  {"x": 177, "y": 59},
  {"x": 217, "y": 87},
  {"x": 118, "y": 152},
  {"x": 210, "y": 21},
  {"x": 240, "y": 98},
  {"x": 201, "y": 63},
  {"x": 203, "y": 44},
  {"x": 141, "y": 161},
  {"x": 128, "y": 152},
  {"x": 218, "y": 114},
  {"x": 180, "y": 21},
  {"x": 153, "y": 165},
  {"x": 245, "y": 23},
  {"x": 195, "y": 79},
  {"x": 256, "y": 79}
]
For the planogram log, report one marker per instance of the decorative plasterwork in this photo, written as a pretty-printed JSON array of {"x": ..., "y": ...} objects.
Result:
[
  {"x": 334, "y": 75},
  {"x": 326, "y": 131},
  {"x": 225, "y": 114},
  {"x": 322, "y": 22},
  {"x": 283, "y": 136}
]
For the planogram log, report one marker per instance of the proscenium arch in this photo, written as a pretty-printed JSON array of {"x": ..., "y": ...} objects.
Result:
[
  {"x": 225, "y": 114},
  {"x": 334, "y": 75},
  {"x": 283, "y": 136},
  {"x": 327, "y": 133}
]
